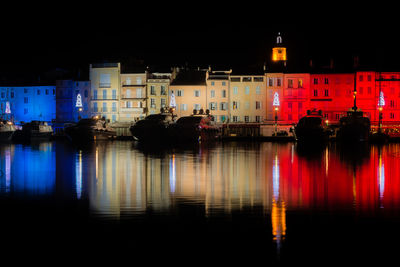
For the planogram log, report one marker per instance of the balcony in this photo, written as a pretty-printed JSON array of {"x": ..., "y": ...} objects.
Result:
[
  {"x": 105, "y": 85},
  {"x": 134, "y": 96},
  {"x": 132, "y": 109}
]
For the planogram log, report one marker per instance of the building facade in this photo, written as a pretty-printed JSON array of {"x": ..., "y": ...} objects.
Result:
[
  {"x": 247, "y": 98},
  {"x": 27, "y": 103},
  {"x": 217, "y": 95},
  {"x": 72, "y": 100},
  {"x": 105, "y": 83},
  {"x": 133, "y": 104},
  {"x": 158, "y": 91}
]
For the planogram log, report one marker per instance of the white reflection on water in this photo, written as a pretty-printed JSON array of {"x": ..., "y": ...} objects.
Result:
[{"x": 78, "y": 174}]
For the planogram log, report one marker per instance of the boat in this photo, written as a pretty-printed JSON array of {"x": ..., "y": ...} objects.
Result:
[
  {"x": 154, "y": 127},
  {"x": 312, "y": 128},
  {"x": 34, "y": 130},
  {"x": 7, "y": 130},
  {"x": 196, "y": 127},
  {"x": 90, "y": 129},
  {"x": 354, "y": 127}
]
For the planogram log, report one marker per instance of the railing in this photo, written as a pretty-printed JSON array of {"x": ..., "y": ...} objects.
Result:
[
  {"x": 105, "y": 85},
  {"x": 132, "y": 109}
]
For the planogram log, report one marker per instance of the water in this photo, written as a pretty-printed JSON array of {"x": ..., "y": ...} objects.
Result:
[{"x": 225, "y": 203}]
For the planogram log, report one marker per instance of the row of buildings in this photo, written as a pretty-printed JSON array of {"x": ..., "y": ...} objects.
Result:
[{"x": 230, "y": 95}]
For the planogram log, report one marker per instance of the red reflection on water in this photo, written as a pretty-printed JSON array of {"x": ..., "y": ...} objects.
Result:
[{"x": 331, "y": 181}]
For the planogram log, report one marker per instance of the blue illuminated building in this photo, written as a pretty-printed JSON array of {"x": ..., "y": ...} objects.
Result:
[
  {"x": 72, "y": 100},
  {"x": 28, "y": 103}
]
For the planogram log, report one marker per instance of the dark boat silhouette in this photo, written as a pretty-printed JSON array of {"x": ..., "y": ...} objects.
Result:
[
  {"x": 153, "y": 128},
  {"x": 90, "y": 129},
  {"x": 312, "y": 128},
  {"x": 7, "y": 130},
  {"x": 34, "y": 130},
  {"x": 196, "y": 127}
]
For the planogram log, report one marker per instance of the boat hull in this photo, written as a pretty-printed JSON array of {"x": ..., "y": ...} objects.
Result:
[
  {"x": 78, "y": 134},
  {"x": 6, "y": 136}
]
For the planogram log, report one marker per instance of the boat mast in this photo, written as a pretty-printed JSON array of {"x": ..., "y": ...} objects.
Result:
[{"x": 355, "y": 91}]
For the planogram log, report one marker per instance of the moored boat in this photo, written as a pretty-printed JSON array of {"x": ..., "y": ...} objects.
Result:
[
  {"x": 90, "y": 129},
  {"x": 34, "y": 130},
  {"x": 7, "y": 130},
  {"x": 196, "y": 127},
  {"x": 153, "y": 128},
  {"x": 312, "y": 128}
]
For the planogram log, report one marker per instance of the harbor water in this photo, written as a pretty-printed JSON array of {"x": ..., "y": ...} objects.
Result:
[{"x": 226, "y": 202}]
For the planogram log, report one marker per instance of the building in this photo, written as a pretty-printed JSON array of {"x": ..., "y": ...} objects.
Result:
[
  {"x": 295, "y": 96},
  {"x": 158, "y": 91},
  {"x": 190, "y": 91},
  {"x": 274, "y": 96},
  {"x": 248, "y": 97},
  {"x": 28, "y": 103},
  {"x": 133, "y": 104},
  {"x": 217, "y": 97},
  {"x": 72, "y": 100},
  {"x": 105, "y": 83}
]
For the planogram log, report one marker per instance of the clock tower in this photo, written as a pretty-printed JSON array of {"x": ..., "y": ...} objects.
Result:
[{"x": 279, "y": 51}]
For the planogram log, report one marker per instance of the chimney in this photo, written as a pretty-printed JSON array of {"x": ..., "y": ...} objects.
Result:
[
  {"x": 311, "y": 63},
  {"x": 331, "y": 64},
  {"x": 356, "y": 62}
]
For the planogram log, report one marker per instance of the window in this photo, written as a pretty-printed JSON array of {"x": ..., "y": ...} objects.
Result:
[
  {"x": 138, "y": 92},
  {"x": 246, "y": 118},
  {"x": 258, "y": 105},
  {"x": 258, "y": 79},
  {"x": 290, "y": 83},
  {"x": 197, "y": 106},
  {"x": 235, "y": 105},
  {"x": 3, "y": 95},
  {"x": 326, "y": 80},
  {"x": 152, "y": 103},
  {"x": 246, "y": 105},
  {"x": 270, "y": 82},
  {"x": 163, "y": 102},
  {"x": 139, "y": 80},
  {"x": 128, "y": 104},
  {"x": 235, "y": 79},
  {"x": 212, "y": 83},
  {"x": 315, "y": 80},
  {"x": 258, "y": 118},
  {"x": 95, "y": 108},
  {"x": 278, "y": 82},
  {"x": 360, "y": 90},
  {"x": 197, "y": 93},
  {"x": 179, "y": 92},
  {"x": 54, "y": 91},
  {"x": 104, "y": 94},
  {"x": 38, "y": 91},
  {"x": 300, "y": 106},
  {"x": 47, "y": 91},
  {"x": 235, "y": 118},
  {"x": 369, "y": 90},
  {"x": 213, "y": 105},
  {"x": 25, "y": 100},
  {"x": 104, "y": 107},
  {"x": 361, "y": 78},
  {"x": 212, "y": 93},
  {"x": 290, "y": 117},
  {"x": 223, "y": 83},
  {"x": 163, "y": 91},
  {"x": 152, "y": 90},
  {"x": 114, "y": 94},
  {"x": 391, "y": 103},
  {"x": 326, "y": 92},
  {"x": 128, "y": 81},
  {"x": 246, "y": 79},
  {"x": 315, "y": 92},
  {"x": 247, "y": 90},
  {"x": 300, "y": 83},
  {"x": 235, "y": 90},
  {"x": 258, "y": 90},
  {"x": 25, "y": 90},
  {"x": 86, "y": 93},
  {"x": 290, "y": 106},
  {"x": 12, "y": 94},
  {"x": 223, "y": 93},
  {"x": 95, "y": 94},
  {"x": 183, "y": 106},
  {"x": 25, "y": 111},
  {"x": 114, "y": 107},
  {"x": 369, "y": 77},
  {"x": 223, "y": 105},
  {"x": 392, "y": 115}
]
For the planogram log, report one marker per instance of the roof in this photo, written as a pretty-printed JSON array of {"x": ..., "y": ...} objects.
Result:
[{"x": 190, "y": 77}]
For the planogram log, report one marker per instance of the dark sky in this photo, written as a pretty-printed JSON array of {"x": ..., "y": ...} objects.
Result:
[{"x": 38, "y": 38}]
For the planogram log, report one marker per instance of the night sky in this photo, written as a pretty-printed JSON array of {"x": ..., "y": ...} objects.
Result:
[{"x": 36, "y": 39}]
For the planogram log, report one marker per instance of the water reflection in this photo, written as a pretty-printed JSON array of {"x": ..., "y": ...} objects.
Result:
[
  {"x": 27, "y": 170},
  {"x": 123, "y": 181}
]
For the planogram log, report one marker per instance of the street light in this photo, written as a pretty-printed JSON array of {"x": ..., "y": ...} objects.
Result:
[{"x": 276, "y": 120}]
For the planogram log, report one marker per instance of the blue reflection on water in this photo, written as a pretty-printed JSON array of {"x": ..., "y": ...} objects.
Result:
[{"x": 28, "y": 170}]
